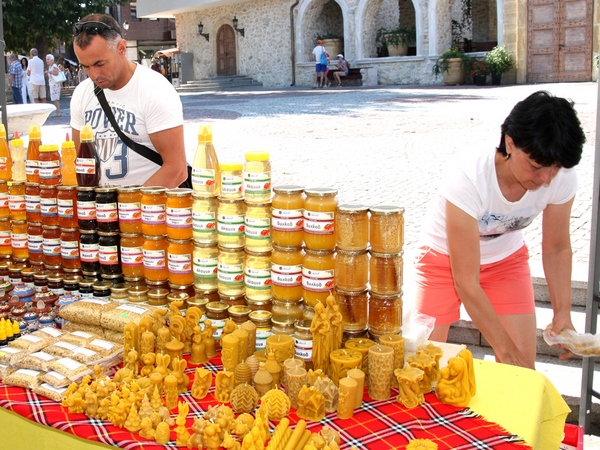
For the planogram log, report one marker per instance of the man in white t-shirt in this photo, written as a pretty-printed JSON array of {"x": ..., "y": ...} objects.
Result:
[
  {"x": 37, "y": 80},
  {"x": 145, "y": 105}
]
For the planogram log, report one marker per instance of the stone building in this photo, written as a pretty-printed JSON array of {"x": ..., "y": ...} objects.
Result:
[{"x": 272, "y": 41}]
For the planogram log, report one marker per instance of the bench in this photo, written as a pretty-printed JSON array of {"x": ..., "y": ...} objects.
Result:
[{"x": 353, "y": 74}]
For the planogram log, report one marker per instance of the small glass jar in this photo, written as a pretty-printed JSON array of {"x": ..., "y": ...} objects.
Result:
[
  {"x": 4, "y": 209},
  {"x": 38, "y": 267},
  {"x": 351, "y": 270},
  {"x": 86, "y": 289},
  {"x": 51, "y": 245},
  {"x": 56, "y": 285},
  {"x": 40, "y": 280},
  {"x": 262, "y": 320},
  {"x": 77, "y": 273},
  {"x": 238, "y": 313},
  {"x": 385, "y": 314},
  {"x": 35, "y": 242},
  {"x": 33, "y": 209},
  {"x": 116, "y": 278},
  {"x": 386, "y": 273},
  {"x": 130, "y": 209},
  {"x": 14, "y": 274},
  {"x": 282, "y": 324},
  {"x": 49, "y": 163},
  {"x": 386, "y": 229},
  {"x": 49, "y": 205},
  {"x": 287, "y": 308},
  {"x": 287, "y": 219},
  {"x": 179, "y": 214},
  {"x": 257, "y": 227},
  {"x": 211, "y": 295},
  {"x": 27, "y": 276},
  {"x": 260, "y": 305},
  {"x": 352, "y": 227},
  {"x": 102, "y": 290},
  {"x": 354, "y": 308},
  {"x": 303, "y": 342},
  {"x": 204, "y": 219},
  {"x": 71, "y": 284},
  {"x": 187, "y": 289},
  {"x": 230, "y": 224},
  {"x": 286, "y": 273},
  {"x": 231, "y": 181},
  {"x": 318, "y": 272},
  {"x": 157, "y": 284},
  {"x": 134, "y": 281},
  {"x": 180, "y": 261},
  {"x": 132, "y": 255},
  {"x": 233, "y": 300},
  {"x": 205, "y": 266},
  {"x": 154, "y": 210},
  {"x": 107, "y": 213},
  {"x": 4, "y": 273},
  {"x": 69, "y": 248},
  {"x": 257, "y": 177},
  {"x": 5, "y": 247},
  {"x": 108, "y": 253},
  {"x": 138, "y": 294},
  {"x": 178, "y": 298},
  {"x": 319, "y": 218},
  {"x": 88, "y": 251},
  {"x": 94, "y": 276},
  {"x": 155, "y": 258},
  {"x": 257, "y": 275},
  {"x": 217, "y": 313},
  {"x": 17, "y": 203},
  {"x": 66, "y": 199},
  {"x": 157, "y": 297},
  {"x": 119, "y": 292},
  {"x": 230, "y": 271},
  {"x": 18, "y": 239},
  {"x": 86, "y": 208}
]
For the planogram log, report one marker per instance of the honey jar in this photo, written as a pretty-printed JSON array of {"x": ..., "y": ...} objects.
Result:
[
  {"x": 66, "y": 198},
  {"x": 49, "y": 205},
  {"x": 352, "y": 227},
  {"x": 4, "y": 209},
  {"x": 287, "y": 308},
  {"x": 230, "y": 224},
  {"x": 130, "y": 209},
  {"x": 231, "y": 181},
  {"x": 260, "y": 305},
  {"x": 233, "y": 300},
  {"x": 287, "y": 219},
  {"x": 33, "y": 210},
  {"x": 386, "y": 272},
  {"x": 86, "y": 208},
  {"x": 107, "y": 213},
  {"x": 5, "y": 247},
  {"x": 132, "y": 255},
  {"x": 157, "y": 297},
  {"x": 386, "y": 229},
  {"x": 257, "y": 275},
  {"x": 18, "y": 239},
  {"x": 180, "y": 253},
  {"x": 230, "y": 271},
  {"x": 354, "y": 308},
  {"x": 352, "y": 270},
  {"x": 257, "y": 227},
  {"x": 257, "y": 177},
  {"x": 179, "y": 214},
  {"x": 211, "y": 295},
  {"x": 303, "y": 342},
  {"x": 286, "y": 273},
  {"x": 88, "y": 251},
  {"x": 262, "y": 320},
  {"x": 108, "y": 253},
  {"x": 155, "y": 258},
  {"x": 282, "y": 324},
  {"x": 385, "y": 314},
  {"x": 318, "y": 272},
  {"x": 205, "y": 266},
  {"x": 239, "y": 313},
  {"x": 204, "y": 219},
  {"x": 51, "y": 245},
  {"x": 154, "y": 211},
  {"x": 217, "y": 313},
  {"x": 69, "y": 248},
  {"x": 16, "y": 201},
  {"x": 119, "y": 293},
  {"x": 319, "y": 218}
]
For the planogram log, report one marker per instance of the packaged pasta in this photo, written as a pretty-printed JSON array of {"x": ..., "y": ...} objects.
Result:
[
  {"x": 45, "y": 332},
  {"x": 116, "y": 319},
  {"x": 61, "y": 349},
  {"x": 586, "y": 345},
  {"x": 69, "y": 367},
  {"x": 4, "y": 370},
  {"x": 35, "y": 361},
  {"x": 79, "y": 338},
  {"x": 105, "y": 348},
  {"x": 9, "y": 355},
  {"x": 114, "y": 336},
  {"x": 31, "y": 343},
  {"x": 47, "y": 390},
  {"x": 24, "y": 378},
  {"x": 85, "y": 355},
  {"x": 75, "y": 326},
  {"x": 87, "y": 311},
  {"x": 56, "y": 379}
]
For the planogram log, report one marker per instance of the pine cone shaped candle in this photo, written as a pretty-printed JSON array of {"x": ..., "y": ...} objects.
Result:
[
  {"x": 244, "y": 399},
  {"x": 253, "y": 361},
  {"x": 263, "y": 380},
  {"x": 242, "y": 374}
]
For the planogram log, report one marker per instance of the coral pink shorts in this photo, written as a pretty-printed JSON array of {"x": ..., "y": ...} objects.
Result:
[{"x": 507, "y": 284}]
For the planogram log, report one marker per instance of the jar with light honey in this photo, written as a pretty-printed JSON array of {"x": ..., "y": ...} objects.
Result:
[
  {"x": 17, "y": 203},
  {"x": 352, "y": 227},
  {"x": 230, "y": 271},
  {"x": 155, "y": 258},
  {"x": 351, "y": 270},
  {"x": 318, "y": 273},
  {"x": 260, "y": 305},
  {"x": 204, "y": 219},
  {"x": 157, "y": 297},
  {"x": 132, "y": 254},
  {"x": 239, "y": 313},
  {"x": 4, "y": 209},
  {"x": 232, "y": 300},
  {"x": 138, "y": 294},
  {"x": 319, "y": 218},
  {"x": 353, "y": 307},
  {"x": 35, "y": 242},
  {"x": 33, "y": 209},
  {"x": 303, "y": 342},
  {"x": 51, "y": 245},
  {"x": 66, "y": 199},
  {"x": 386, "y": 229},
  {"x": 286, "y": 273},
  {"x": 69, "y": 248},
  {"x": 217, "y": 313},
  {"x": 262, "y": 320},
  {"x": 385, "y": 314},
  {"x": 231, "y": 181},
  {"x": 180, "y": 261},
  {"x": 18, "y": 238},
  {"x": 282, "y": 324},
  {"x": 130, "y": 209},
  {"x": 386, "y": 272},
  {"x": 230, "y": 224},
  {"x": 179, "y": 213},
  {"x": 205, "y": 266},
  {"x": 154, "y": 210},
  {"x": 257, "y": 275},
  {"x": 257, "y": 230},
  {"x": 287, "y": 219},
  {"x": 287, "y": 308},
  {"x": 257, "y": 177}
]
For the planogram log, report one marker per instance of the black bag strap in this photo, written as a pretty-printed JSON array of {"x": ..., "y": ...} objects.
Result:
[{"x": 138, "y": 148}]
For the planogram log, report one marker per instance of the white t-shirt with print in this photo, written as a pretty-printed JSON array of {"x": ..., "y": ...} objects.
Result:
[
  {"x": 473, "y": 187},
  {"x": 148, "y": 103}
]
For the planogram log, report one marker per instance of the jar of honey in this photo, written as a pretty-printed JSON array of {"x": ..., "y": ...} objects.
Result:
[
  {"x": 27, "y": 277},
  {"x": 88, "y": 251},
  {"x": 86, "y": 289},
  {"x": 119, "y": 293},
  {"x": 230, "y": 224},
  {"x": 187, "y": 289},
  {"x": 180, "y": 265},
  {"x": 260, "y": 305},
  {"x": 157, "y": 284},
  {"x": 353, "y": 307},
  {"x": 231, "y": 181},
  {"x": 155, "y": 258},
  {"x": 286, "y": 273},
  {"x": 230, "y": 271},
  {"x": 257, "y": 275},
  {"x": 262, "y": 320},
  {"x": 4, "y": 210},
  {"x": 138, "y": 294},
  {"x": 132, "y": 255},
  {"x": 233, "y": 300},
  {"x": 130, "y": 209},
  {"x": 157, "y": 297},
  {"x": 385, "y": 314},
  {"x": 18, "y": 239},
  {"x": 257, "y": 177},
  {"x": 66, "y": 199},
  {"x": 69, "y": 248},
  {"x": 209, "y": 295},
  {"x": 386, "y": 272},
  {"x": 257, "y": 229},
  {"x": 205, "y": 266},
  {"x": 319, "y": 218},
  {"x": 86, "y": 208},
  {"x": 40, "y": 281},
  {"x": 51, "y": 245},
  {"x": 49, "y": 164},
  {"x": 387, "y": 229},
  {"x": 134, "y": 281},
  {"x": 352, "y": 227},
  {"x": 33, "y": 209},
  {"x": 238, "y": 313},
  {"x": 204, "y": 219},
  {"x": 288, "y": 216},
  {"x": 282, "y": 324},
  {"x": 102, "y": 290},
  {"x": 17, "y": 203},
  {"x": 217, "y": 313},
  {"x": 116, "y": 278},
  {"x": 35, "y": 241},
  {"x": 56, "y": 284},
  {"x": 49, "y": 205},
  {"x": 106, "y": 209},
  {"x": 108, "y": 253},
  {"x": 5, "y": 244},
  {"x": 318, "y": 271},
  {"x": 179, "y": 214},
  {"x": 154, "y": 211},
  {"x": 287, "y": 308},
  {"x": 352, "y": 270},
  {"x": 303, "y": 342}
]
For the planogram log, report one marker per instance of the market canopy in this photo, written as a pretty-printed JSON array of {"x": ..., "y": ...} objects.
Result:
[{"x": 166, "y": 53}]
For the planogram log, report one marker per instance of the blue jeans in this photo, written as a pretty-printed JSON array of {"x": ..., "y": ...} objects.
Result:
[{"x": 17, "y": 98}]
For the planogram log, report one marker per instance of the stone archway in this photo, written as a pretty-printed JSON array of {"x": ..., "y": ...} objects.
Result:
[
  {"x": 226, "y": 51},
  {"x": 320, "y": 18}
]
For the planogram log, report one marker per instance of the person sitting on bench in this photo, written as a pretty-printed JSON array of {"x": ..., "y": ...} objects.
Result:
[{"x": 343, "y": 69}]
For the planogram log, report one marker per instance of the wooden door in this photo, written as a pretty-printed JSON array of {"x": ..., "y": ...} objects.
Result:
[
  {"x": 559, "y": 40},
  {"x": 226, "y": 57}
]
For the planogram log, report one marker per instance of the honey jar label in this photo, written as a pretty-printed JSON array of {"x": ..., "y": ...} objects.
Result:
[
  {"x": 129, "y": 212},
  {"x": 108, "y": 255},
  {"x": 132, "y": 256},
  {"x": 3, "y": 200},
  {"x": 204, "y": 222},
  {"x": 317, "y": 280},
  {"x": 65, "y": 208},
  {"x": 180, "y": 263},
  {"x": 288, "y": 220},
  {"x": 32, "y": 167},
  {"x": 17, "y": 202},
  {"x": 86, "y": 210},
  {"x": 231, "y": 185},
  {"x": 205, "y": 267},
  {"x": 49, "y": 206},
  {"x": 3, "y": 162},
  {"x": 107, "y": 212},
  {"x": 203, "y": 177},
  {"x": 88, "y": 252},
  {"x": 49, "y": 170},
  {"x": 286, "y": 276},
  {"x": 259, "y": 279},
  {"x": 155, "y": 259},
  {"x": 154, "y": 214},
  {"x": 19, "y": 240},
  {"x": 318, "y": 222},
  {"x": 179, "y": 217},
  {"x": 256, "y": 183},
  {"x": 231, "y": 274},
  {"x": 4, "y": 238},
  {"x": 51, "y": 246},
  {"x": 34, "y": 242},
  {"x": 85, "y": 166},
  {"x": 32, "y": 203},
  {"x": 228, "y": 225},
  {"x": 257, "y": 228},
  {"x": 69, "y": 249}
]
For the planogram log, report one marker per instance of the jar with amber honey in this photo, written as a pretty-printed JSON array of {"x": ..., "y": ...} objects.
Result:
[
  {"x": 386, "y": 229},
  {"x": 4, "y": 210},
  {"x": 257, "y": 227},
  {"x": 51, "y": 245},
  {"x": 49, "y": 205},
  {"x": 205, "y": 266},
  {"x": 157, "y": 297},
  {"x": 204, "y": 219},
  {"x": 386, "y": 272},
  {"x": 179, "y": 213},
  {"x": 17, "y": 203},
  {"x": 69, "y": 248},
  {"x": 287, "y": 308},
  {"x": 119, "y": 293},
  {"x": 287, "y": 219},
  {"x": 180, "y": 256},
  {"x": 132, "y": 254},
  {"x": 239, "y": 313},
  {"x": 130, "y": 209},
  {"x": 155, "y": 258},
  {"x": 319, "y": 218},
  {"x": 232, "y": 300},
  {"x": 303, "y": 342},
  {"x": 217, "y": 313},
  {"x": 353, "y": 307},
  {"x": 260, "y": 305},
  {"x": 33, "y": 209},
  {"x": 230, "y": 224},
  {"x": 257, "y": 275},
  {"x": 385, "y": 314},
  {"x": 352, "y": 270},
  {"x": 154, "y": 210},
  {"x": 138, "y": 294},
  {"x": 318, "y": 272},
  {"x": 66, "y": 199},
  {"x": 230, "y": 271},
  {"x": 18, "y": 239},
  {"x": 286, "y": 273},
  {"x": 5, "y": 247},
  {"x": 352, "y": 227},
  {"x": 35, "y": 242}
]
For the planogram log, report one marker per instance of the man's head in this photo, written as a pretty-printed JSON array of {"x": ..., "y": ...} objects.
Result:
[
  {"x": 97, "y": 25},
  {"x": 33, "y": 52},
  {"x": 12, "y": 57}
]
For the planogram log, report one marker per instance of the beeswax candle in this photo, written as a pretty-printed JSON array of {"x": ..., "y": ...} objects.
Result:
[
  {"x": 346, "y": 397},
  {"x": 381, "y": 363},
  {"x": 397, "y": 343},
  {"x": 296, "y": 377},
  {"x": 362, "y": 345},
  {"x": 359, "y": 376},
  {"x": 341, "y": 360},
  {"x": 282, "y": 346},
  {"x": 230, "y": 351}
]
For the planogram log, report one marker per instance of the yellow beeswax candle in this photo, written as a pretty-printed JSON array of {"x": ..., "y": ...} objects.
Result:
[
  {"x": 242, "y": 335},
  {"x": 289, "y": 364},
  {"x": 362, "y": 345},
  {"x": 397, "y": 343},
  {"x": 381, "y": 363},
  {"x": 230, "y": 351},
  {"x": 282, "y": 346},
  {"x": 296, "y": 435},
  {"x": 296, "y": 377},
  {"x": 341, "y": 360},
  {"x": 359, "y": 376},
  {"x": 250, "y": 327},
  {"x": 347, "y": 397}
]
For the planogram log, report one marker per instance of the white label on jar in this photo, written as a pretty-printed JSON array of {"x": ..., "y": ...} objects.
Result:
[
  {"x": 256, "y": 183},
  {"x": 108, "y": 255},
  {"x": 205, "y": 267},
  {"x": 202, "y": 177},
  {"x": 304, "y": 353},
  {"x": 65, "y": 208},
  {"x": 17, "y": 202},
  {"x": 154, "y": 214},
  {"x": 69, "y": 249},
  {"x": 19, "y": 240},
  {"x": 3, "y": 160},
  {"x": 317, "y": 280},
  {"x": 179, "y": 217},
  {"x": 32, "y": 167},
  {"x": 49, "y": 169},
  {"x": 51, "y": 247},
  {"x": 228, "y": 225},
  {"x": 132, "y": 256},
  {"x": 257, "y": 278},
  {"x": 32, "y": 203},
  {"x": 286, "y": 276},
  {"x": 231, "y": 184},
  {"x": 257, "y": 228},
  {"x": 318, "y": 222},
  {"x": 204, "y": 222},
  {"x": 155, "y": 259},
  {"x": 5, "y": 238},
  {"x": 85, "y": 166},
  {"x": 49, "y": 207},
  {"x": 86, "y": 210},
  {"x": 180, "y": 263},
  {"x": 303, "y": 343},
  {"x": 107, "y": 212},
  {"x": 35, "y": 243},
  {"x": 130, "y": 212},
  {"x": 287, "y": 219},
  {"x": 88, "y": 252},
  {"x": 230, "y": 274},
  {"x": 3, "y": 199}
]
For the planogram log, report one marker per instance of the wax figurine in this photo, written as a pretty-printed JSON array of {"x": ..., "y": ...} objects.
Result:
[
  {"x": 148, "y": 359},
  {"x": 337, "y": 322},
  {"x": 409, "y": 392},
  {"x": 202, "y": 383},
  {"x": 457, "y": 383},
  {"x": 208, "y": 338},
  {"x": 230, "y": 443},
  {"x": 196, "y": 440},
  {"x": 198, "y": 347},
  {"x": 181, "y": 431},
  {"x": 320, "y": 329},
  {"x": 183, "y": 380},
  {"x": 223, "y": 386},
  {"x": 163, "y": 433},
  {"x": 428, "y": 365}
]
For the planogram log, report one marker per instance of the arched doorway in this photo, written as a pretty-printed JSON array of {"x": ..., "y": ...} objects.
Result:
[{"x": 226, "y": 56}]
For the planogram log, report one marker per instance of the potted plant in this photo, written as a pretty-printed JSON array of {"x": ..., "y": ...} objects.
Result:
[
  {"x": 498, "y": 61},
  {"x": 479, "y": 72},
  {"x": 452, "y": 65},
  {"x": 333, "y": 43},
  {"x": 396, "y": 40}
]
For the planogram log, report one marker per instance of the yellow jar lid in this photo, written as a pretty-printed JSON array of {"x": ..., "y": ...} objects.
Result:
[
  {"x": 68, "y": 144},
  {"x": 34, "y": 132},
  {"x": 204, "y": 133},
  {"x": 230, "y": 166},
  {"x": 257, "y": 155},
  {"x": 17, "y": 142},
  {"x": 86, "y": 133}
]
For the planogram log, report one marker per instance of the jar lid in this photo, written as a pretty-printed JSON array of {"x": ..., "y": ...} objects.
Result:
[
  {"x": 231, "y": 250},
  {"x": 40, "y": 276},
  {"x": 119, "y": 287},
  {"x": 154, "y": 238},
  {"x": 179, "y": 192},
  {"x": 257, "y": 204},
  {"x": 86, "y": 283},
  {"x": 104, "y": 189},
  {"x": 386, "y": 296},
  {"x": 200, "y": 302},
  {"x": 303, "y": 325},
  {"x": 257, "y": 155},
  {"x": 206, "y": 246},
  {"x": 321, "y": 192},
  {"x": 102, "y": 286},
  {"x": 318, "y": 252},
  {"x": 130, "y": 235},
  {"x": 50, "y": 227},
  {"x": 253, "y": 253},
  {"x": 32, "y": 184},
  {"x": 108, "y": 233},
  {"x": 283, "y": 248},
  {"x": 138, "y": 290},
  {"x": 216, "y": 307},
  {"x": 112, "y": 276},
  {"x": 260, "y": 316},
  {"x": 155, "y": 293},
  {"x": 209, "y": 198},
  {"x": 88, "y": 232},
  {"x": 351, "y": 252},
  {"x": 239, "y": 310},
  {"x": 386, "y": 255},
  {"x": 86, "y": 189},
  {"x": 26, "y": 271},
  {"x": 49, "y": 187},
  {"x": 54, "y": 278},
  {"x": 133, "y": 279},
  {"x": 288, "y": 189},
  {"x": 387, "y": 210},
  {"x": 156, "y": 283},
  {"x": 91, "y": 274},
  {"x": 48, "y": 148},
  {"x": 180, "y": 241},
  {"x": 180, "y": 287},
  {"x": 231, "y": 166},
  {"x": 16, "y": 269},
  {"x": 72, "y": 279},
  {"x": 17, "y": 183},
  {"x": 153, "y": 190},
  {"x": 352, "y": 208},
  {"x": 351, "y": 293},
  {"x": 205, "y": 293},
  {"x": 66, "y": 188},
  {"x": 133, "y": 188},
  {"x": 282, "y": 320}
]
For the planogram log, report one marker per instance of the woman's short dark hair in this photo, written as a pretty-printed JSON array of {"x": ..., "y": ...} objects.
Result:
[{"x": 546, "y": 128}]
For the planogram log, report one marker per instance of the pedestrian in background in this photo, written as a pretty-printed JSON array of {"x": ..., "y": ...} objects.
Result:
[
  {"x": 26, "y": 89},
  {"x": 15, "y": 78},
  {"x": 54, "y": 85},
  {"x": 36, "y": 77},
  {"x": 320, "y": 55}
]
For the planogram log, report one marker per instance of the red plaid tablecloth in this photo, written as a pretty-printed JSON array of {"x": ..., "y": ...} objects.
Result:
[{"x": 377, "y": 425}]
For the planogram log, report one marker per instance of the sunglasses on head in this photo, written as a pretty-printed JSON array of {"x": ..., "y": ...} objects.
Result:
[{"x": 92, "y": 28}]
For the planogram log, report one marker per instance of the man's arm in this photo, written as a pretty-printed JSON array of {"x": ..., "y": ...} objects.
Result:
[{"x": 170, "y": 145}]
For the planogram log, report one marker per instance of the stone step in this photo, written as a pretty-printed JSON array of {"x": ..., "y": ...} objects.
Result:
[
  {"x": 218, "y": 83},
  {"x": 579, "y": 283}
]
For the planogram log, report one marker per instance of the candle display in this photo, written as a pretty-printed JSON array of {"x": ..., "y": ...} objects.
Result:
[
  {"x": 362, "y": 345},
  {"x": 243, "y": 336},
  {"x": 381, "y": 364},
  {"x": 296, "y": 378},
  {"x": 341, "y": 360},
  {"x": 359, "y": 376},
  {"x": 289, "y": 364},
  {"x": 202, "y": 383},
  {"x": 346, "y": 397},
  {"x": 242, "y": 374},
  {"x": 230, "y": 351},
  {"x": 427, "y": 364},
  {"x": 311, "y": 404},
  {"x": 457, "y": 380},
  {"x": 250, "y": 328},
  {"x": 397, "y": 343},
  {"x": 409, "y": 391},
  {"x": 223, "y": 386},
  {"x": 282, "y": 346}
]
